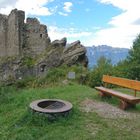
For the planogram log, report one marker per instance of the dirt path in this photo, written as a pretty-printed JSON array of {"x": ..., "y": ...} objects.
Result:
[{"x": 106, "y": 110}]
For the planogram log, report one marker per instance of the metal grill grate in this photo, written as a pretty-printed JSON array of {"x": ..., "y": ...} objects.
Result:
[{"x": 55, "y": 105}]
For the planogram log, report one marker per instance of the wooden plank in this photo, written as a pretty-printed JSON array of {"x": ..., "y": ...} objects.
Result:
[
  {"x": 131, "y": 84},
  {"x": 129, "y": 98}
]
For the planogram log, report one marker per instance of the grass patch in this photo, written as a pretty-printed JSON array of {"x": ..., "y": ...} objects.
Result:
[{"x": 18, "y": 123}]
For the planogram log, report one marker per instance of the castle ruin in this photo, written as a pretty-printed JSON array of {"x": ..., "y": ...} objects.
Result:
[
  {"x": 29, "y": 51},
  {"x": 15, "y": 35}
]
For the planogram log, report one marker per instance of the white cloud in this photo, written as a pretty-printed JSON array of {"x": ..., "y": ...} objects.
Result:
[
  {"x": 4, "y": 3},
  {"x": 67, "y": 7},
  {"x": 116, "y": 37},
  {"x": 123, "y": 29},
  {"x": 32, "y": 7},
  {"x": 123, "y": 4},
  {"x": 63, "y": 14},
  {"x": 71, "y": 33}
]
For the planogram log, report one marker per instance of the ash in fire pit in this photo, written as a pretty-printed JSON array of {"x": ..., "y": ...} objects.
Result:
[{"x": 51, "y": 107}]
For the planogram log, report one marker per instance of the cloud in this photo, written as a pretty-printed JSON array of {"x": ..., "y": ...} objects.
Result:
[
  {"x": 63, "y": 14},
  {"x": 116, "y": 37},
  {"x": 32, "y": 7},
  {"x": 122, "y": 4},
  {"x": 67, "y": 7},
  {"x": 72, "y": 34},
  {"x": 137, "y": 22},
  {"x": 123, "y": 28},
  {"x": 4, "y": 3}
]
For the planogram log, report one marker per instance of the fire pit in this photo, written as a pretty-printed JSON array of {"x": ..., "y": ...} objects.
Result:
[{"x": 51, "y": 107}]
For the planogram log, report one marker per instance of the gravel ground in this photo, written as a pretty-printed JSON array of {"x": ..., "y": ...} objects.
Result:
[{"x": 106, "y": 110}]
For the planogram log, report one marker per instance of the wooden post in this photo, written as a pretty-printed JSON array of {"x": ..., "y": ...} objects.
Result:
[
  {"x": 135, "y": 93},
  {"x": 105, "y": 84},
  {"x": 125, "y": 105}
]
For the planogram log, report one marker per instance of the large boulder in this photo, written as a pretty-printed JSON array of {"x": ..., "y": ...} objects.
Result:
[
  {"x": 59, "y": 43},
  {"x": 75, "y": 53}
]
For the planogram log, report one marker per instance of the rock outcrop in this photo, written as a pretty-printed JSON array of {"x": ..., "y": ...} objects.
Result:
[
  {"x": 59, "y": 43},
  {"x": 75, "y": 54},
  {"x": 56, "y": 54},
  {"x": 59, "y": 54}
]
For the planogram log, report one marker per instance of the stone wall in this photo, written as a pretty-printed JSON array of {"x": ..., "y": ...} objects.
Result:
[
  {"x": 3, "y": 33},
  {"x": 11, "y": 33},
  {"x": 15, "y": 31},
  {"x": 36, "y": 35}
]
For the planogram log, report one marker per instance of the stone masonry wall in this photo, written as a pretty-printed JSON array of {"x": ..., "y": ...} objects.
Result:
[
  {"x": 37, "y": 36},
  {"x": 3, "y": 33},
  {"x": 14, "y": 32},
  {"x": 11, "y": 33}
]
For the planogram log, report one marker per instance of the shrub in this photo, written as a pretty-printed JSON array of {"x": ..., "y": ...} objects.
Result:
[
  {"x": 103, "y": 66},
  {"x": 55, "y": 75},
  {"x": 21, "y": 83},
  {"x": 28, "y": 61},
  {"x": 59, "y": 74}
]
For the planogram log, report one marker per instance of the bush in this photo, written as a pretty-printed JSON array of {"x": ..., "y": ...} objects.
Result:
[
  {"x": 28, "y": 61},
  {"x": 121, "y": 69},
  {"x": 103, "y": 66},
  {"x": 55, "y": 76},
  {"x": 21, "y": 83}
]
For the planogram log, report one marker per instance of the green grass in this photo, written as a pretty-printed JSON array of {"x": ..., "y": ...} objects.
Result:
[{"x": 18, "y": 123}]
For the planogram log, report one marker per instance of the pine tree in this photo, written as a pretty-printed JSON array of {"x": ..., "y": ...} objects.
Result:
[{"x": 134, "y": 60}]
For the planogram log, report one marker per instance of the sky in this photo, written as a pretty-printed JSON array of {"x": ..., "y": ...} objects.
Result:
[{"x": 94, "y": 22}]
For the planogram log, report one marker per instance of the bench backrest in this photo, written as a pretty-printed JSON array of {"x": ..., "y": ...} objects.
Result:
[{"x": 123, "y": 82}]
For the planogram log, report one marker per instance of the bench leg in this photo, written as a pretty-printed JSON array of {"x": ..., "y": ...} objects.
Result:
[
  {"x": 104, "y": 95},
  {"x": 125, "y": 105}
]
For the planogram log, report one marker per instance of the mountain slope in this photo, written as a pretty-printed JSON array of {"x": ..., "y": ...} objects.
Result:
[{"x": 114, "y": 54}]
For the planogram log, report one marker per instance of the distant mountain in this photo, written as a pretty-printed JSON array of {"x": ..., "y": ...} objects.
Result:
[{"x": 114, "y": 54}]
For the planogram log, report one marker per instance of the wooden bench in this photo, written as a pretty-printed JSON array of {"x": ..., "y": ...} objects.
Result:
[{"x": 126, "y": 101}]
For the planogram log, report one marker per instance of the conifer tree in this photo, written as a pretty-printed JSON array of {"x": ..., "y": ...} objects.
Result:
[{"x": 134, "y": 60}]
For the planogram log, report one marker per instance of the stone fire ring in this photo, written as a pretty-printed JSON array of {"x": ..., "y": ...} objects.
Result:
[{"x": 51, "y": 106}]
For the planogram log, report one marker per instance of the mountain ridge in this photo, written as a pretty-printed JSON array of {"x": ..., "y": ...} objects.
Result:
[{"x": 109, "y": 52}]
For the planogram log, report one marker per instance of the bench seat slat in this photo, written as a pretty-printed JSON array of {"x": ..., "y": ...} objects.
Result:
[{"x": 126, "y": 97}]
